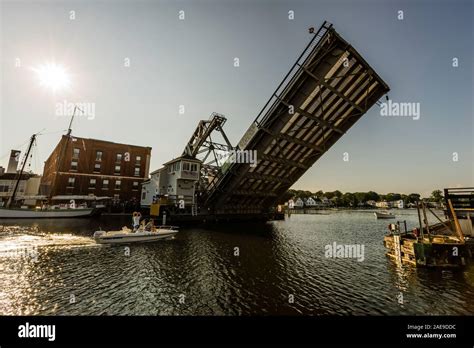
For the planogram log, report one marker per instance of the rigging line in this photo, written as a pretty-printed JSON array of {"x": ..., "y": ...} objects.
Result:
[
  {"x": 35, "y": 156},
  {"x": 54, "y": 132},
  {"x": 5, "y": 155},
  {"x": 16, "y": 147}
]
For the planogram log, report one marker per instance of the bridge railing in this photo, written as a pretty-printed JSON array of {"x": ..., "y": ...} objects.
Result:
[
  {"x": 282, "y": 88},
  {"x": 292, "y": 75}
]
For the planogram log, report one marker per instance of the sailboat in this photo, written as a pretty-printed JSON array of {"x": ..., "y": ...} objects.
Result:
[{"x": 12, "y": 212}]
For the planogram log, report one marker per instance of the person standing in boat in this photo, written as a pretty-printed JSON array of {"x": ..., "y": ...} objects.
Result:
[{"x": 136, "y": 220}]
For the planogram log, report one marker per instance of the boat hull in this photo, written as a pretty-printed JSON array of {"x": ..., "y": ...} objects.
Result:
[
  {"x": 384, "y": 216},
  {"x": 45, "y": 214},
  {"x": 139, "y": 237}
]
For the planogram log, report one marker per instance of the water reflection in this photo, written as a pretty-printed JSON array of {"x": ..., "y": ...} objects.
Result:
[{"x": 55, "y": 267}]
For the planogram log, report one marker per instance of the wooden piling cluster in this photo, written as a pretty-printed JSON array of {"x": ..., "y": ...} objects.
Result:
[{"x": 439, "y": 245}]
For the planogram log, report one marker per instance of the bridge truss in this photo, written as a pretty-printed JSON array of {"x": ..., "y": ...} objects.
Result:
[{"x": 326, "y": 91}]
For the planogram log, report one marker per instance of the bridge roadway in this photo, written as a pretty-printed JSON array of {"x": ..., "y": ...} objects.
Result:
[{"x": 328, "y": 89}]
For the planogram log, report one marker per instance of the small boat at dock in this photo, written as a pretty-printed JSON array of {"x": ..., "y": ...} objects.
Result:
[
  {"x": 127, "y": 235},
  {"x": 384, "y": 215}
]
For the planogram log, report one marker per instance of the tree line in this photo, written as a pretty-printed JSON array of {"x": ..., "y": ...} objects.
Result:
[{"x": 354, "y": 198}]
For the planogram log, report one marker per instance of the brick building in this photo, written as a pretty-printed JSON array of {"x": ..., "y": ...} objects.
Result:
[{"x": 95, "y": 167}]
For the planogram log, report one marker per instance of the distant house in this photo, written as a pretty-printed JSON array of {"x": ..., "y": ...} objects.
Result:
[
  {"x": 383, "y": 204},
  {"x": 299, "y": 203},
  {"x": 325, "y": 201},
  {"x": 372, "y": 203},
  {"x": 311, "y": 202},
  {"x": 398, "y": 204}
]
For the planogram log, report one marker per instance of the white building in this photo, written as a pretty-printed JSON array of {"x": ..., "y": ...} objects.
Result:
[
  {"x": 299, "y": 203},
  {"x": 151, "y": 188},
  {"x": 27, "y": 190},
  {"x": 325, "y": 201},
  {"x": 383, "y": 204},
  {"x": 176, "y": 180},
  {"x": 311, "y": 202},
  {"x": 398, "y": 204}
]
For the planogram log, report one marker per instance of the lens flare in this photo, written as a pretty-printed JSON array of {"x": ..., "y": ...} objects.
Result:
[{"x": 53, "y": 76}]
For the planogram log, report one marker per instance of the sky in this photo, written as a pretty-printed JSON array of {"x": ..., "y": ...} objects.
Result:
[{"x": 137, "y": 62}]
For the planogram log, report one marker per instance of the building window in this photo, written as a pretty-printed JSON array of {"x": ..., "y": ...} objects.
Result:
[
  {"x": 118, "y": 159},
  {"x": 98, "y": 156},
  {"x": 105, "y": 184},
  {"x": 190, "y": 166},
  {"x": 137, "y": 172},
  {"x": 138, "y": 160},
  {"x": 71, "y": 182},
  {"x": 75, "y": 153},
  {"x": 117, "y": 170},
  {"x": 97, "y": 168},
  {"x": 117, "y": 184},
  {"x": 92, "y": 183},
  {"x": 135, "y": 186},
  {"x": 143, "y": 194},
  {"x": 73, "y": 165}
]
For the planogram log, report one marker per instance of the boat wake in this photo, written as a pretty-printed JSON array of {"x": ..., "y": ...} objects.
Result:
[{"x": 13, "y": 239}]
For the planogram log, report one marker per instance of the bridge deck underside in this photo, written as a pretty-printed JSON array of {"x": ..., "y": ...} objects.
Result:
[{"x": 332, "y": 88}]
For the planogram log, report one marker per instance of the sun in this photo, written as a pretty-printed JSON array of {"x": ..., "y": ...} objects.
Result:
[{"x": 53, "y": 76}]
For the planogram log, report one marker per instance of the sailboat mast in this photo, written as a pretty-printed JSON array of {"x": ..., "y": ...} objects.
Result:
[
  {"x": 63, "y": 150},
  {"x": 12, "y": 197},
  {"x": 69, "y": 130}
]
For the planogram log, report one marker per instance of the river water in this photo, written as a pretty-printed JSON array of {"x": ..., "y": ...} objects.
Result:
[{"x": 54, "y": 267}]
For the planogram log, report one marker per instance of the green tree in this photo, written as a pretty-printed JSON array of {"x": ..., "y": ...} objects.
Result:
[
  {"x": 349, "y": 199},
  {"x": 437, "y": 196},
  {"x": 374, "y": 196},
  {"x": 329, "y": 195},
  {"x": 361, "y": 197},
  {"x": 413, "y": 197},
  {"x": 393, "y": 197}
]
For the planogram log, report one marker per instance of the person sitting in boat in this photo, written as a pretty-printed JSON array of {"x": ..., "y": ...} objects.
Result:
[
  {"x": 136, "y": 220},
  {"x": 149, "y": 226}
]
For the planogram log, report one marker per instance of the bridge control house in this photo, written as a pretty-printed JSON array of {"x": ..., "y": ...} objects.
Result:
[
  {"x": 176, "y": 180},
  {"x": 90, "y": 167}
]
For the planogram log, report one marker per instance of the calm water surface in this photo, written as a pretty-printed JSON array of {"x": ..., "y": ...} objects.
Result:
[{"x": 55, "y": 268}]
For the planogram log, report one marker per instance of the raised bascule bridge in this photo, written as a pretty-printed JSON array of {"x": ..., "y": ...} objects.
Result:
[{"x": 328, "y": 89}]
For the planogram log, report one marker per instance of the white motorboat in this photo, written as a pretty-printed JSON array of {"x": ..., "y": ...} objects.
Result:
[
  {"x": 384, "y": 215},
  {"x": 127, "y": 235}
]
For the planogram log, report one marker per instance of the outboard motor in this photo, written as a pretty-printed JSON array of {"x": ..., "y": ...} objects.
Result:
[{"x": 98, "y": 234}]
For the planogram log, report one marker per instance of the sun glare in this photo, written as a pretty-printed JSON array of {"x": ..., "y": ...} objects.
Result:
[{"x": 53, "y": 76}]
